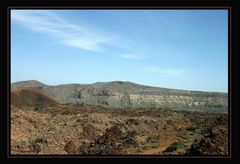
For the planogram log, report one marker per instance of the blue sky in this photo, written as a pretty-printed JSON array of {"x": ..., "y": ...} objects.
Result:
[{"x": 181, "y": 49}]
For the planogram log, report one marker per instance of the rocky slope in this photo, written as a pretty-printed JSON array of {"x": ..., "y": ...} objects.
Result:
[
  {"x": 93, "y": 130},
  {"x": 118, "y": 94}
]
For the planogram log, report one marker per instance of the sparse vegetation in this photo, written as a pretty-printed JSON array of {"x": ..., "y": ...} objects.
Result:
[
  {"x": 192, "y": 128},
  {"x": 142, "y": 133},
  {"x": 34, "y": 146},
  {"x": 81, "y": 148},
  {"x": 196, "y": 145},
  {"x": 129, "y": 138},
  {"x": 172, "y": 147},
  {"x": 75, "y": 132},
  {"x": 155, "y": 145},
  {"x": 152, "y": 139},
  {"x": 140, "y": 150},
  {"x": 207, "y": 131}
]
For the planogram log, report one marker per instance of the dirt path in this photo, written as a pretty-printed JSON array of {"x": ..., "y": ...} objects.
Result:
[{"x": 163, "y": 143}]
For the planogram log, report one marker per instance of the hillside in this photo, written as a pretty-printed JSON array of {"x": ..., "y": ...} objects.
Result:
[
  {"x": 118, "y": 94},
  {"x": 30, "y": 96}
]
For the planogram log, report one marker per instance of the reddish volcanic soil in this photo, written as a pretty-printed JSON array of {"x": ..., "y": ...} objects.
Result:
[{"x": 30, "y": 96}]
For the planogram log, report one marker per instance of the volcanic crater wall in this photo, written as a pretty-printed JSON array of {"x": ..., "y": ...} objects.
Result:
[{"x": 128, "y": 95}]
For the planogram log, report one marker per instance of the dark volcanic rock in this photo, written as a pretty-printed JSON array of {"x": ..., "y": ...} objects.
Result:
[
  {"x": 111, "y": 135},
  {"x": 70, "y": 147},
  {"x": 132, "y": 122}
]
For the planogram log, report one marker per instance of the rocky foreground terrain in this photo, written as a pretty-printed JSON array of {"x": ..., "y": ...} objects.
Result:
[
  {"x": 94, "y": 130},
  {"x": 42, "y": 124}
]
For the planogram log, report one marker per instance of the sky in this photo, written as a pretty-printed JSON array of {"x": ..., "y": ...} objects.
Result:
[{"x": 180, "y": 49}]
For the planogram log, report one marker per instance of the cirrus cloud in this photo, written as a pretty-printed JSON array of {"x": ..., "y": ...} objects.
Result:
[{"x": 79, "y": 36}]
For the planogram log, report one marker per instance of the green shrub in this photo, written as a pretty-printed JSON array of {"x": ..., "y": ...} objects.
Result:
[
  {"x": 140, "y": 150},
  {"x": 195, "y": 147},
  {"x": 152, "y": 139},
  {"x": 192, "y": 129},
  {"x": 141, "y": 133},
  {"x": 155, "y": 146},
  {"x": 81, "y": 148},
  {"x": 129, "y": 138},
  {"x": 172, "y": 147},
  {"x": 207, "y": 131}
]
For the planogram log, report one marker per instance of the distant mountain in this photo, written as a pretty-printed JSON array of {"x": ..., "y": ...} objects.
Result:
[
  {"x": 119, "y": 94},
  {"x": 30, "y": 96}
]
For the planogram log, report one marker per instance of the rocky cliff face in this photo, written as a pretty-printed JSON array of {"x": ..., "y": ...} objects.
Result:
[{"x": 120, "y": 94}]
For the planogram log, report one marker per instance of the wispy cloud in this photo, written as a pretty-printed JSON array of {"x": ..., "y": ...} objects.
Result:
[
  {"x": 167, "y": 72},
  {"x": 132, "y": 56},
  {"x": 69, "y": 34},
  {"x": 174, "y": 72}
]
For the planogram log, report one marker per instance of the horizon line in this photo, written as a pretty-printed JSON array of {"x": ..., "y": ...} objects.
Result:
[{"x": 149, "y": 85}]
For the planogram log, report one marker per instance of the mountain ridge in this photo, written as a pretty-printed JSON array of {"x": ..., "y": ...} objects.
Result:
[
  {"x": 39, "y": 84},
  {"x": 120, "y": 94}
]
